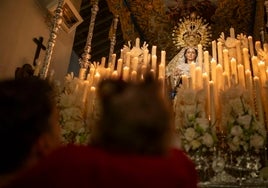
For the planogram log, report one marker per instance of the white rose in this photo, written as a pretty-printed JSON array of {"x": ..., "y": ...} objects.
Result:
[
  {"x": 236, "y": 131},
  {"x": 203, "y": 123},
  {"x": 208, "y": 140},
  {"x": 195, "y": 144},
  {"x": 236, "y": 141},
  {"x": 256, "y": 141},
  {"x": 244, "y": 120},
  {"x": 233, "y": 147},
  {"x": 190, "y": 134}
]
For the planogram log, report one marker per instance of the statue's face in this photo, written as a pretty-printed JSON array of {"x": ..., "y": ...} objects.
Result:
[{"x": 190, "y": 54}]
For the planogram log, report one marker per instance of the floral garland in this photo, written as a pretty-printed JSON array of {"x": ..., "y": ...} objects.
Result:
[
  {"x": 72, "y": 111},
  {"x": 243, "y": 131},
  {"x": 194, "y": 127}
]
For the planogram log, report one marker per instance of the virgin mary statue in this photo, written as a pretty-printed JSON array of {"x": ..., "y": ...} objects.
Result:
[{"x": 190, "y": 32}]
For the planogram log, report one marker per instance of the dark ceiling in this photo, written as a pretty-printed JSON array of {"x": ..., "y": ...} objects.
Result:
[
  {"x": 244, "y": 15},
  {"x": 100, "y": 41}
]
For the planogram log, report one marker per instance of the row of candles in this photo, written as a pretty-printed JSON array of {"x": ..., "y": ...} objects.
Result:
[
  {"x": 221, "y": 71},
  {"x": 130, "y": 66},
  {"x": 213, "y": 74}
]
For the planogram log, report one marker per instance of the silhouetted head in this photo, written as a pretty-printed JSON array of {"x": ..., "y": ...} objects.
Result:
[{"x": 135, "y": 117}]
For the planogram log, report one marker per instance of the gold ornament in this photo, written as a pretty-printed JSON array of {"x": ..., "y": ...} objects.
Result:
[{"x": 191, "y": 31}]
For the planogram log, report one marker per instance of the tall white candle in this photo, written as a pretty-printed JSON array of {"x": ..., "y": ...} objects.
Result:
[
  {"x": 255, "y": 67},
  {"x": 163, "y": 57},
  {"x": 249, "y": 87},
  {"x": 259, "y": 103},
  {"x": 238, "y": 52},
  {"x": 198, "y": 78},
  {"x": 246, "y": 59},
  {"x": 128, "y": 59},
  {"x": 214, "y": 50},
  {"x": 219, "y": 45},
  {"x": 154, "y": 63},
  {"x": 145, "y": 57},
  {"x": 212, "y": 108},
  {"x": 192, "y": 73},
  {"x": 226, "y": 62},
  {"x": 251, "y": 48},
  {"x": 241, "y": 75},
  {"x": 262, "y": 73},
  {"x": 206, "y": 62},
  {"x": 154, "y": 50},
  {"x": 213, "y": 70},
  {"x": 119, "y": 66},
  {"x": 234, "y": 71},
  {"x": 200, "y": 55},
  {"x": 125, "y": 73}
]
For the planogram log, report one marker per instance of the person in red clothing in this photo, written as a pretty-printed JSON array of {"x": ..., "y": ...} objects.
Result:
[{"x": 130, "y": 146}]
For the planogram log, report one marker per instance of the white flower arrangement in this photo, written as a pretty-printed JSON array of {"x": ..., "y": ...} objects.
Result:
[
  {"x": 194, "y": 128},
  {"x": 71, "y": 111},
  {"x": 243, "y": 131}
]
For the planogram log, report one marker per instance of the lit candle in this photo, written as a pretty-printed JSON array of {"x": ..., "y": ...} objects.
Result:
[
  {"x": 255, "y": 67},
  {"x": 85, "y": 92},
  {"x": 198, "y": 78},
  {"x": 213, "y": 70},
  {"x": 226, "y": 62},
  {"x": 206, "y": 62},
  {"x": 134, "y": 76},
  {"x": 214, "y": 50},
  {"x": 206, "y": 92},
  {"x": 259, "y": 102},
  {"x": 154, "y": 50},
  {"x": 251, "y": 48},
  {"x": 225, "y": 81},
  {"x": 238, "y": 52},
  {"x": 249, "y": 87},
  {"x": 234, "y": 71},
  {"x": 154, "y": 62},
  {"x": 145, "y": 57},
  {"x": 241, "y": 75},
  {"x": 212, "y": 108},
  {"x": 125, "y": 73},
  {"x": 262, "y": 73},
  {"x": 219, "y": 78},
  {"x": 128, "y": 59},
  {"x": 163, "y": 57},
  {"x": 246, "y": 59},
  {"x": 135, "y": 61},
  {"x": 161, "y": 72},
  {"x": 119, "y": 66},
  {"x": 96, "y": 79},
  {"x": 200, "y": 56},
  {"x": 192, "y": 73},
  {"x": 114, "y": 75},
  {"x": 219, "y": 45}
]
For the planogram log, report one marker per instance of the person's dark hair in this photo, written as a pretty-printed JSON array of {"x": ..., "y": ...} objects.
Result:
[
  {"x": 135, "y": 117},
  {"x": 25, "y": 107},
  {"x": 184, "y": 55}
]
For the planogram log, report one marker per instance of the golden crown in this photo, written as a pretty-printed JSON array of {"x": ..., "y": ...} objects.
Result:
[{"x": 191, "y": 31}]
